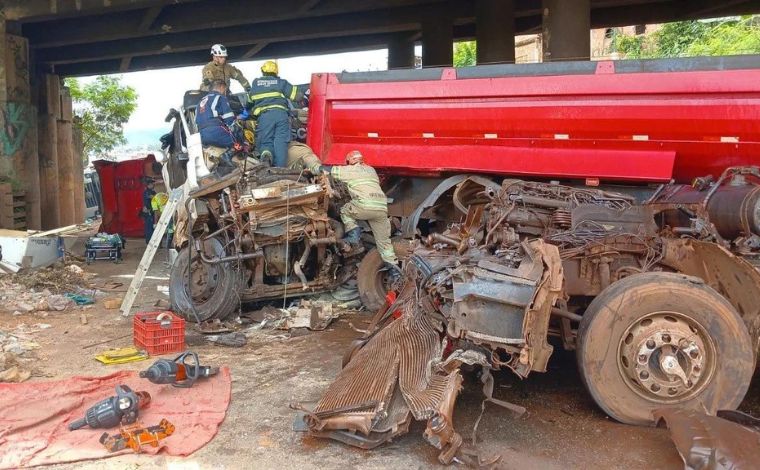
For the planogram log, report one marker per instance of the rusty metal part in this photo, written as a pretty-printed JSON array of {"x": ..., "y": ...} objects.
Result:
[
  {"x": 395, "y": 370},
  {"x": 271, "y": 226},
  {"x": 667, "y": 357},
  {"x": 711, "y": 443},
  {"x": 733, "y": 208},
  {"x": 410, "y": 224},
  {"x": 566, "y": 314},
  {"x": 730, "y": 275},
  {"x": 440, "y": 238},
  {"x": 226, "y": 259}
]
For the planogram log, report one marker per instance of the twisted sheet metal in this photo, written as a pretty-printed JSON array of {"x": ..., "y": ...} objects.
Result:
[{"x": 403, "y": 354}]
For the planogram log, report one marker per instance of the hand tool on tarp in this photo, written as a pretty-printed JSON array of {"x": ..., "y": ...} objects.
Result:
[
  {"x": 119, "y": 409},
  {"x": 136, "y": 435},
  {"x": 180, "y": 372}
]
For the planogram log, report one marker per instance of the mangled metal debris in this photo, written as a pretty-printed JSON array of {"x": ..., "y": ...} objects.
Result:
[
  {"x": 729, "y": 441},
  {"x": 649, "y": 311},
  {"x": 401, "y": 371}
]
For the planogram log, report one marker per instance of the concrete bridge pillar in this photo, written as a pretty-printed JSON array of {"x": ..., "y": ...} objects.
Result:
[
  {"x": 566, "y": 29},
  {"x": 401, "y": 53},
  {"x": 438, "y": 39},
  {"x": 495, "y": 31},
  {"x": 19, "y": 164}
]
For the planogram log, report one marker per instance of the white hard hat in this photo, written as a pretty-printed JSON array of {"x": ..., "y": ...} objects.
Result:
[{"x": 219, "y": 50}]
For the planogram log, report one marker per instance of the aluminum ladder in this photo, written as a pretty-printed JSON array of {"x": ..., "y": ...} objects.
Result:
[{"x": 150, "y": 250}]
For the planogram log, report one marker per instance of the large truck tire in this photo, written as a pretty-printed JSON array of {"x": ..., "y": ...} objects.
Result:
[
  {"x": 373, "y": 284},
  {"x": 215, "y": 290},
  {"x": 663, "y": 340}
]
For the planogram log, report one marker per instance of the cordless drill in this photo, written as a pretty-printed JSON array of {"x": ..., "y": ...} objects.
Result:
[
  {"x": 181, "y": 372},
  {"x": 119, "y": 409}
]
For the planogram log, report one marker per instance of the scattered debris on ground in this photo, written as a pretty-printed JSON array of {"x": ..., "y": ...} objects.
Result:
[
  {"x": 17, "y": 351},
  {"x": 57, "y": 279}
]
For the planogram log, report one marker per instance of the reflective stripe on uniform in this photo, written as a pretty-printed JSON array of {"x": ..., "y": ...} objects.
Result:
[
  {"x": 213, "y": 106},
  {"x": 258, "y": 110},
  {"x": 359, "y": 182},
  {"x": 293, "y": 92},
  {"x": 370, "y": 204},
  {"x": 228, "y": 115},
  {"x": 269, "y": 94}
]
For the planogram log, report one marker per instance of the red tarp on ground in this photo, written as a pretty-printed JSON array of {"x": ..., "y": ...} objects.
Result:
[
  {"x": 122, "y": 187},
  {"x": 34, "y": 417}
]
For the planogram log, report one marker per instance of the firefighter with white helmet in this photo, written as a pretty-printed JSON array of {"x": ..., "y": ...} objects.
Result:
[{"x": 219, "y": 69}]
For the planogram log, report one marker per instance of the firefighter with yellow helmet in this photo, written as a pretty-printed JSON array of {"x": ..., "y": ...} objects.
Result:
[{"x": 268, "y": 100}]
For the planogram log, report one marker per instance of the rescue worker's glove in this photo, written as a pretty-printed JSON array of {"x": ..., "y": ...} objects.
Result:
[{"x": 244, "y": 115}]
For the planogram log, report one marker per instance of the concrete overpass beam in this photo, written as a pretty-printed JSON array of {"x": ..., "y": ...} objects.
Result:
[
  {"x": 495, "y": 31},
  {"x": 401, "y": 52},
  {"x": 438, "y": 38},
  {"x": 566, "y": 29}
]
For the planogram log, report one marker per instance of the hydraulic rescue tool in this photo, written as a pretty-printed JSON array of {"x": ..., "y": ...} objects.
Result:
[
  {"x": 136, "y": 435},
  {"x": 119, "y": 409},
  {"x": 181, "y": 372}
]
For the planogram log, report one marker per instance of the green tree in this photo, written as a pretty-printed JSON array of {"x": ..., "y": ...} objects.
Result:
[
  {"x": 102, "y": 107},
  {"x": 694, "y": 38},
  {"x": 465, "y": 54}
]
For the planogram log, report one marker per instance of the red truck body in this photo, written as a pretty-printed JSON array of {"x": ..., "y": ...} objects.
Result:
[{"x": 632, "y": 121}]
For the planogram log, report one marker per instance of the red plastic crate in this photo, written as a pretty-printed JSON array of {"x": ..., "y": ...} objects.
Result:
[{"x": 159, "y": 332}]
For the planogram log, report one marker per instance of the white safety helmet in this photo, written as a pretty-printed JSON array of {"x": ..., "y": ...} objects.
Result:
[{"x": 219, "y": 50}]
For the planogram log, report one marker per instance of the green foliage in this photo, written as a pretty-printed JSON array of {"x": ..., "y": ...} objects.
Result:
[
  {"x": 631, "y": 46},
  {"x": 102, "y": 107},
  {"x": 741, "y": 37},
  {"x": 465, "y": 54},
  {"x": 694, "y": 38}
]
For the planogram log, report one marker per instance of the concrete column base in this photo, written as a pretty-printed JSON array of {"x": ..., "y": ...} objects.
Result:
[
  {"x": 495, "y": 31},
  {"x": 566, "y": 30}
]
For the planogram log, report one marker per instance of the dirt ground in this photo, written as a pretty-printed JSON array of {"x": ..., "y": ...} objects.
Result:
[{"x": 562, "y": 429}]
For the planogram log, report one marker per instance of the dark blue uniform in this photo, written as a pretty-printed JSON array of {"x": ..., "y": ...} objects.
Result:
[
  {"x": 214, "y": 118},
  {"x": 269, "y": 102},
  {"x": 147, "y": 213}
]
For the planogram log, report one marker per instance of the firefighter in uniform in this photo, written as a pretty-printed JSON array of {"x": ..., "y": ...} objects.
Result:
[
  {"x": 147, "y": 208},
  {"x": 219, "y": 69},
  {"x": 301, "y": 157},
  {"x": 368, "y": 203},
  {"x": 158, "y": 204},
  {"x": 215, "y": 121},
  {"x": 268, "y": 99}
]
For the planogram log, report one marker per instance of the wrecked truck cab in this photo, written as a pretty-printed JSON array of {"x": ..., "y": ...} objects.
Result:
[
  {"x": 258, "y": 233},
  {"x": 658, "y": 319}
]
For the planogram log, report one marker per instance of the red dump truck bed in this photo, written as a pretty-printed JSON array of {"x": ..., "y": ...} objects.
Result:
[{"x": 641, "y": 121}]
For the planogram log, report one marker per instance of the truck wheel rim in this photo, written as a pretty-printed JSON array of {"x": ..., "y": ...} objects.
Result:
[
  {"x": 666, "y": 357},
  {"x": 203, "y": 281}
]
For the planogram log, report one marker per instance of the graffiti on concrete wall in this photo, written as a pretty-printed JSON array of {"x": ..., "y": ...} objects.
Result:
[
  {"x": 15, "y": 121},
  {"x": 17, "y": 58}
]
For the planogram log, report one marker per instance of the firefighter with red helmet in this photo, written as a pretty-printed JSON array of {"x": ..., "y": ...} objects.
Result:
[{"x": 368, "y": 203}]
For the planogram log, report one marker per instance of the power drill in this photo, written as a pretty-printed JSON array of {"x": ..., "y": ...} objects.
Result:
[
  {"x": 108, "y": 413},
  {"x": 181, "y": 372}
]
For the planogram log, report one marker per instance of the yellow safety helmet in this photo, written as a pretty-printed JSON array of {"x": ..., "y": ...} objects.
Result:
[{"x": 269, "y": 66}]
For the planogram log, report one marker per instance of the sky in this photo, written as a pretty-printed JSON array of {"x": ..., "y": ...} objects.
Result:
[{"x": 160, "y": 90}]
